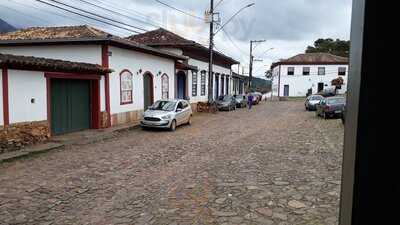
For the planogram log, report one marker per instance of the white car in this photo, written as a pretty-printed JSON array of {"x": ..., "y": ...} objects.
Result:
[
  {"x": 167, "y": 114},
  {"x": 312, "y": 101}
]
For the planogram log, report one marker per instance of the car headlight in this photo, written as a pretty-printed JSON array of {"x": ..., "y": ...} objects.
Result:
[{"x": 166, "y": 117}]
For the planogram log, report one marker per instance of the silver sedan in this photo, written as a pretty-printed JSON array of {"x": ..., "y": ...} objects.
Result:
[{"x": 167, "y": 114}]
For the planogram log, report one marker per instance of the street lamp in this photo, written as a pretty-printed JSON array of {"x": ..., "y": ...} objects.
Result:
[
  {"x": 234, "y": 15},
  {"x": 267, "y": 51},
  {"x": 212, "y": 34}
]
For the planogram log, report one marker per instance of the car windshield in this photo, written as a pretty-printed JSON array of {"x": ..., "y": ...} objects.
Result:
[
  {"x": 239, "y": 97},
  {"x": 316, "y": 98},
  {"x": 336, "y": 101},
  {"x": 227, "y": 98},
  {"x": 164, "y": 106}
]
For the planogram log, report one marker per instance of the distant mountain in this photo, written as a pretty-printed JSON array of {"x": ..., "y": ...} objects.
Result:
[
  {"x": 260, "y": 85},
  {"x": 5, "y": 27}
]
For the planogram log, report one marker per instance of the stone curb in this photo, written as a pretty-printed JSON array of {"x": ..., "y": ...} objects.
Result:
[
  {"x": 12, "y": 156},
  {"x": 51, "y": 146}
]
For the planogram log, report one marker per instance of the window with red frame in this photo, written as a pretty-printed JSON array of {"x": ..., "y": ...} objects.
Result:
[
  {"x": 126, "y": 79},
  {"x": 165, "y": 86}
]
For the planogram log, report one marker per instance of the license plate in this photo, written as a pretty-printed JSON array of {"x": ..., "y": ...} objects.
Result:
[{"x": 338, "y": 111}]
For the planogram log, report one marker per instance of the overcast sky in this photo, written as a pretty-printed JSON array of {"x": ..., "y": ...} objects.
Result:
[{"x": 288, "y": 26}]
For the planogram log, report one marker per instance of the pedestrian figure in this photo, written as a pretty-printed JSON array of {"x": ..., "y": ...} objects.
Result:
[{"x": 250, "y": 100}]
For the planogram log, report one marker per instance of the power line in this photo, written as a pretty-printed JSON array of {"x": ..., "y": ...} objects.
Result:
[
  {"x": 80, "y": 20},
  {"x": 114, "y": 12},
  {"x": 86, "y": 16},
  {"x": 94, "y": 14},
  {"x": 216, "y": 5},
  {"x": 179, "y": 10},
  {"x": 233, "y": 43},
  {"x": 30, "y": 17},
  {"x": 113, "y": 5}
]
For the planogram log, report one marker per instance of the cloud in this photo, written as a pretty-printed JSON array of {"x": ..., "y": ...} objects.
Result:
[{"x": 287, "y": 25}]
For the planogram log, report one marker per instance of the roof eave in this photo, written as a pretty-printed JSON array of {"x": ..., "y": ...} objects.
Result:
[
  {"x": 308, "y": 63},
  {"x": 111, "y": 41}
]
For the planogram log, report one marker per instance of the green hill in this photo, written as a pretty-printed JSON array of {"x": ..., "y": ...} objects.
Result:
[{"x": 260, "y": 85}]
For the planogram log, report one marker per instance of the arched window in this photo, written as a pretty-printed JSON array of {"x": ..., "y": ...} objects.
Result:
[
  {"x": 165, "y": 86},
  {"x": 126, "y": 85}
]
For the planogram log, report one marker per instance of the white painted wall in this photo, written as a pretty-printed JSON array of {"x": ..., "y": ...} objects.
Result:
[
  {"x": 133, "y": 61},
  {"x": 75, "y": 53},
  {"x": 204, "y": 66},
  {"x": 176, "y": 51},
  {"x": 299, "y": 84},
  {"x": 22, "y": 87}
]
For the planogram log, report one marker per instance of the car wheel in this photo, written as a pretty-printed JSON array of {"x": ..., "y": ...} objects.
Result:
[{"x": 173, "y": 126}]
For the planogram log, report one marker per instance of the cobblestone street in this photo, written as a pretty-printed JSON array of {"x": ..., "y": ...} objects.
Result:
[{"x": 276, "y": 164}]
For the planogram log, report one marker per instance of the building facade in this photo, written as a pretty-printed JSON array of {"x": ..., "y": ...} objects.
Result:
[
  {"x": 79, "y": 77},
  {"x": 37, "y": 95},
  {"x": 308, "y": 73},
  {"x": 192, "y": 78},
  {"x": 140, "y": 75}
]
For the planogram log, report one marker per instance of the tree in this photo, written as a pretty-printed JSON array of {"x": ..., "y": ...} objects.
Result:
[
  {"x": 338, "y": 82},
  {"x": 268, "y": 74},
  {"x": 335, "y": 47}
]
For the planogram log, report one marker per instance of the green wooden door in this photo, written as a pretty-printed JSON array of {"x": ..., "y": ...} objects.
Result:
[
  {"x": 147, "y": 90},
  {"x": 70, "y": 105}
]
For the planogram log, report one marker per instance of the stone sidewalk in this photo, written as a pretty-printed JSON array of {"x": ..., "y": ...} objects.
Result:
[{"x": 58, "y": 142}]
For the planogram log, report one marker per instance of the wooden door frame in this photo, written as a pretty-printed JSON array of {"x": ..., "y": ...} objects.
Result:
[
  {"x": 95, "y": 112},
  {"x": 185, "y": 92},
  {"x": 151, "y": 87}
]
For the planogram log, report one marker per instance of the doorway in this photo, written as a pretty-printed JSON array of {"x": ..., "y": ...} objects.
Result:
[
  {"x": 216, "y": 86},
  {"x": 286, "y": 91},
  {"x": 148, "y": 94},
  {"x": 320, "y": 87},
  {"x": 181, "y": 85},
  {"x": 70, "y": 105}
]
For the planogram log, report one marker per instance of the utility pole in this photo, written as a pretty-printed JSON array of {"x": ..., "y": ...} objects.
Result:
[
  {"x": 210, "y": 65},
  {"x": 251, "y": 61}
]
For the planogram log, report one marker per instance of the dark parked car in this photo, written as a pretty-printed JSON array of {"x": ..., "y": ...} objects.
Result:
[
  {"x": 241, "y": 101},
  {"x": 332, "y": 106},
  {"x": 312, "y": 101},
  {"x": 327, "y": 92},
  {"x": 227, "y": 102}
]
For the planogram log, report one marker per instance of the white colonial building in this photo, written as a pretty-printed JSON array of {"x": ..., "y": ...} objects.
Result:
[
  {"x": 192, "y": 74},
  {"x": 139, "y": 75},
  {"x": 308, "y": 73},
  {"x": 65, "y": 79}
]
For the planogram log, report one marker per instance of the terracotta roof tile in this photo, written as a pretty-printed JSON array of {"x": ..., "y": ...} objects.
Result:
[
  {"x": 41, "y": 33},
  {"x": 49, "y": 65},
  {"x": 163, "y": 37},
  {"x": 313, "y": 58},
  {"x": 160, "y": 37},
  {"x": 75, "y": 34}
]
